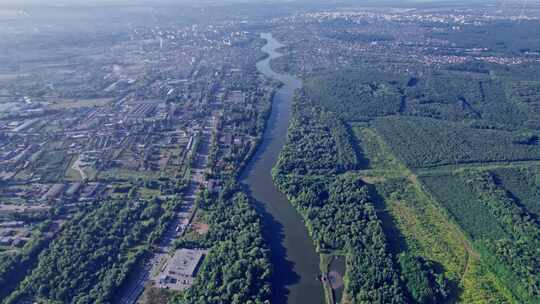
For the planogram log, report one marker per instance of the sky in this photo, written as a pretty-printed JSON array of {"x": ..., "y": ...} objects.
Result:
[
  {"x": 101, "y": 2},
  {"x": 23, "y": 3},
  {"x": 83, "y": 2}
]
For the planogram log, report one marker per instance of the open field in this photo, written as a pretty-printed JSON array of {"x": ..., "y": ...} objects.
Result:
[{"x": 64, "y": 104}]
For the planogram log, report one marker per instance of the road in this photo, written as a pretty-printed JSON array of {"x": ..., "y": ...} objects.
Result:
[{"x": 134, "y": 286}]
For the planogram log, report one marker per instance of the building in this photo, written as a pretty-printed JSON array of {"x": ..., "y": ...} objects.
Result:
[
  {"x": 5, "y": 241},
  {"x": 181, "y": 269},
  {"x": 54, "y": 192}
]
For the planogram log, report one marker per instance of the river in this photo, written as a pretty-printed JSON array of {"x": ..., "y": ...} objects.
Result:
[{"x": 296, "y": 263}]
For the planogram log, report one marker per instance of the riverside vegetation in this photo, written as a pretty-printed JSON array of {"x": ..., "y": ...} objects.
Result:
[{"x": 426, "y": 183}]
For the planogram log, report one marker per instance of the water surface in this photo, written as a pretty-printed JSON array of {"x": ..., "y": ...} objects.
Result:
[{"x": 296, "y": 264}]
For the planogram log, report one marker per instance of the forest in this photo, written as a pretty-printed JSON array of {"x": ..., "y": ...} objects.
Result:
[
  {"x": 115, "y": 227},
  {"x": 340, "y": 217},
  {"x": 505, "y": 232},
  {"x": 339, "y": 211},
  {"x": 323, "y": 143},
  {"x": 356, "y": 95},
  {"x": 523, "y": 184},
  {"x": 425, "y": 142},
  {"x": 459, "y": 201},
  {"x": 506, "y": 102},
  {"x": 446, "y": 157},
  {"x": 517, "y": 257},
  {"x": 13, "y": 268},
  {"x": 237, "y": 268},
  {"x": 501, "y": 36}
]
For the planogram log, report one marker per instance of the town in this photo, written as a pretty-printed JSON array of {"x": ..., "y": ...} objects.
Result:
[{"x": 165, "y": 120}]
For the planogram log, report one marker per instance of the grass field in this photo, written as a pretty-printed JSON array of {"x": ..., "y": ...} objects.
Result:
[{"x": 378, "y": 155}]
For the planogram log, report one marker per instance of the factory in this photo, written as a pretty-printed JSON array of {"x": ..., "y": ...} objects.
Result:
[{"x": 181, "y": 269}]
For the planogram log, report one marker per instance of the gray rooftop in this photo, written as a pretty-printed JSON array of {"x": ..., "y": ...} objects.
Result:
[{"x": 185, "y": 262}]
